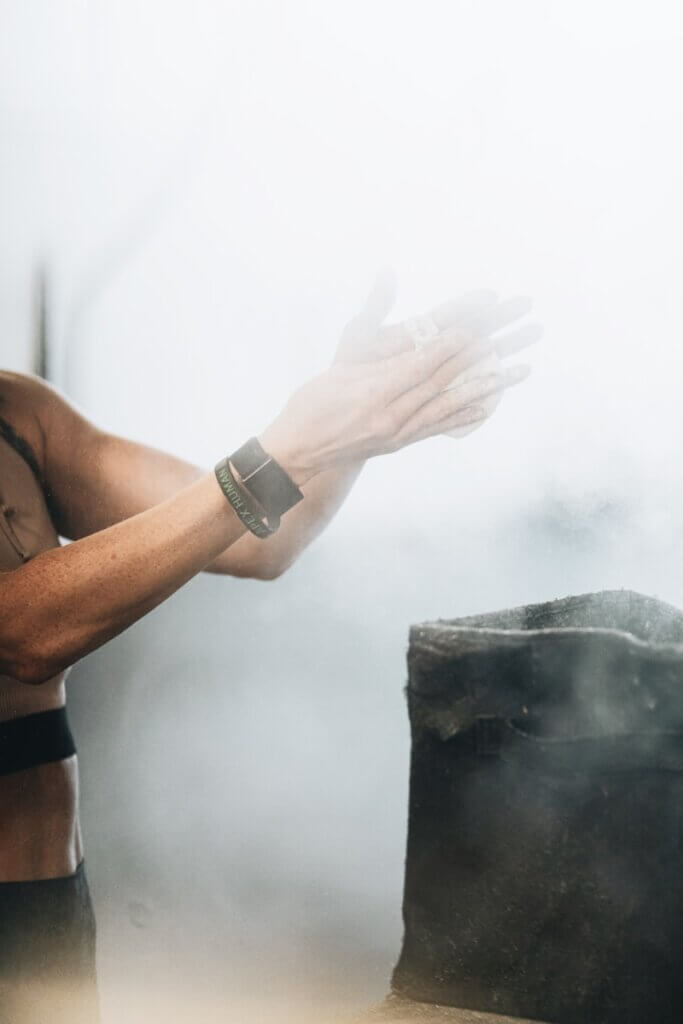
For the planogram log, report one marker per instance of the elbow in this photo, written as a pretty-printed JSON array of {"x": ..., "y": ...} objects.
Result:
[
  {"x": 28, "y": 665},
  {"x": 32, "y": 671},
  {"x": 268, "y": 571},
  {"x": 267, "y": 575},
  {"x": 35, "y": 673}
]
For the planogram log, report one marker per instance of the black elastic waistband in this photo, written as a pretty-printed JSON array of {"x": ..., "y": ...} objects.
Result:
[{"x": 35, "y": 739}]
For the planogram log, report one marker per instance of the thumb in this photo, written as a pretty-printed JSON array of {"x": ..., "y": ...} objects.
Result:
[
  {"x": 381, "y": 298},
  {"x": 359, "y": 334}
]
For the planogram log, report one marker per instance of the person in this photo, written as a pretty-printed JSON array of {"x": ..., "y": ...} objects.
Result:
[{"x": 141, "y": 523}]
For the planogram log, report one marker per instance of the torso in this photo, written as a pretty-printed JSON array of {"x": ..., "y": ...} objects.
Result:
[{"x": 39, "y": 829}]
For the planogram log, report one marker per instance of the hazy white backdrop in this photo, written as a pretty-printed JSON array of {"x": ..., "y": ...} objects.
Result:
[{"x": 210, "y": 188}]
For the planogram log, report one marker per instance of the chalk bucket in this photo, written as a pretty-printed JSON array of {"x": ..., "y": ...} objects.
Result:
[{"x": 544, "y": 871}]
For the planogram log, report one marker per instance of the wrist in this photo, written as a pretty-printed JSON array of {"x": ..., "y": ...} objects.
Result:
[
  {"x": 287, "y": 453},
  {"x": 250, "y": 512}
]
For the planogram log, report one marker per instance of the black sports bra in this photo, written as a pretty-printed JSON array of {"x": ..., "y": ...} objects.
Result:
[
  {"x": 35, "y": 739},
  {"x": 20, "y": 445}
]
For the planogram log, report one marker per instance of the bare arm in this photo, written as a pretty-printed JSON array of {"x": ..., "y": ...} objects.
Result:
[
  {"x": 127, "y": 478},
  {"x": 67, "y": 601}
]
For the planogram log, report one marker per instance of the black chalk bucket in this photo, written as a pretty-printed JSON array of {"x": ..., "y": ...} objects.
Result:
[{"x": 544, "y": 872}]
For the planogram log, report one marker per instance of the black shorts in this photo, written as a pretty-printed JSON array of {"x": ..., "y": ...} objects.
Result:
[{"x": 47, "y": 952}]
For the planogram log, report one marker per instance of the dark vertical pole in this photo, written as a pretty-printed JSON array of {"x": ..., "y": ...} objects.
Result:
[{"x": 41, "y": 361}]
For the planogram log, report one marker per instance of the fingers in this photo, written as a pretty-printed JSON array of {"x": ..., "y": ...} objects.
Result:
[
  {"x": 393, "y": 339},
  {"x": 472, "y": 416},
  {"x": 409, "y": 370},
  {"x": 465, "y": 356},
  {"x": 413, "y": 378},
  {"x": 360, "y": 332},
  {"x": 455, "y": 314},
  {"x": 429, "y": 418},
  {"x": 480, "y": 312},
  {"x": 459, "y": 312},
  {"x": 468, "y": 393},
  {"x": 381, "y": 298},
  {"x": 514, "y": 341},
  {"x": 516, "y": 374},
  {"x": 501, "y": 315},
  {"x": 489, "y": 320},
  {"x": 472, "y": 355}
]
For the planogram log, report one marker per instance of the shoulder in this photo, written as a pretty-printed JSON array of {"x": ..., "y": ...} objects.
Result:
[
  {"x": 21, "y": 401},
  {"x": 25, "y": 392},
  {"x": 40, "y": 414}
]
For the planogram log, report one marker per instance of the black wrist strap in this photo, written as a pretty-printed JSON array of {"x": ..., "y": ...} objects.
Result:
[
  {"x": 265, "y": 479},
  {"x": 239, "y": 500}
]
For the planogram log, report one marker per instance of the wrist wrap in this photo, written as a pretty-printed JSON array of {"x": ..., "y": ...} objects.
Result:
[
  {"x": 262, "y": 477},
  {"x": 239, "y": 500}
]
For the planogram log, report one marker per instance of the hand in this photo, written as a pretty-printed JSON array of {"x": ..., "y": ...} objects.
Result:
[
  {"x": 356, "y": 410},
  {"x": 479, "y": 316}
]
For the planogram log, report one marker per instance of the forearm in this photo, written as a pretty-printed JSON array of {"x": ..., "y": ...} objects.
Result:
[
  {"x": 323, "y": 496},
  {"x": 321, "y": 438},
  {"x": 133, "y": 477},
  {"x": 67, "y": 601}
]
